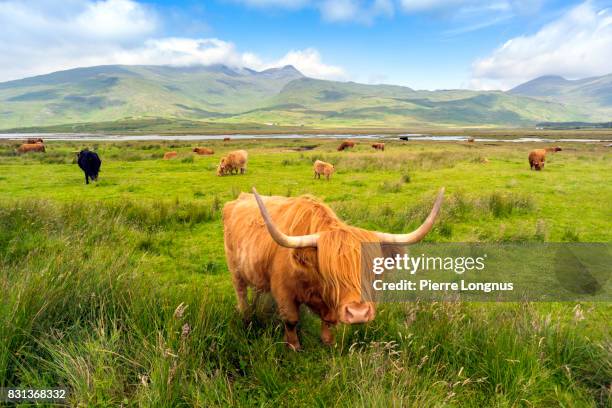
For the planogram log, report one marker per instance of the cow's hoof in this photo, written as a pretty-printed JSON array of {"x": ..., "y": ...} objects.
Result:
[
  {"x": 294, "y": 347},
  {"x": 328, "y": 340}
]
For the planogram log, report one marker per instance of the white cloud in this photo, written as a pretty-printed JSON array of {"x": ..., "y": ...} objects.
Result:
[
  {"x": 39, "y": 37},
  {"x": 115, "y": 18},
  {"x": 470, "y": 6},
  {"x": 477, "y": 12},
  {"x": 355, "y": 10},
  {"x": 210, "y": 51},
  {"x": 578, "y": 44},
  {"x": 358, "y": 11},
  {"x": 309, "y": 62}
]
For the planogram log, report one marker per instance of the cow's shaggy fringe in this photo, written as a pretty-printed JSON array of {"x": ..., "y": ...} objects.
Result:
[{"x": 340, "y": 260}]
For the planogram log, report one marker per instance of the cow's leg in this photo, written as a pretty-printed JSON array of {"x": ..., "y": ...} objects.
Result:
[
  {"x": 327, "y": 337},
  {"x": 86, "y": 179},
  {"x": 289, "y": 311},
  {"x": 241, "y": 292},
  {"x": 291, "y": 337}
]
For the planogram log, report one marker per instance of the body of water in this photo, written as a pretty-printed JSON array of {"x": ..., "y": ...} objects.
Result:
[{"x": 96, "y": 137}]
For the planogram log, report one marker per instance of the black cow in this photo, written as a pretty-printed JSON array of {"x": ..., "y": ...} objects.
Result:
[{"x": 90, "y": 163}]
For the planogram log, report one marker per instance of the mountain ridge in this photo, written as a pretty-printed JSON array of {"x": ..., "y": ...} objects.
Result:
[{"x": 286, "y": 97}]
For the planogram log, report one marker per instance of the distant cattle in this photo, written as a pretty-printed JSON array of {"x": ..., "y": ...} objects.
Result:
[
  {"x": 235, "y": 161},
  {"x": 321, "y": 167},
  {"x": 170, "y": 155},
  {"x": 346, "y": 145},
  {"x": 31, "y": 147},
  {"x": 90, "y": 163},
  {"x": 404, "y": 138},
  {"x": 226, "y": 139},
  {"x": 304, "y": 254},
  {"x": 379, "y": 146},
  {"x": 471, "y": 140},
  {"x": 203, "y": 150},
  {"x": 537, "y": 157},
  {"x": 34, "y": 140}
]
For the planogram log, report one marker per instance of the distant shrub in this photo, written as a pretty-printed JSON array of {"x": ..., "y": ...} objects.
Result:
[
  {"x": 290, "y": 162},
  {"x": 445, "y": 229},
  {"x": 570, "y": 235},
  {"x": 390, "y": 186},
  {"x": 235, "y": 192},
  {"x": 503, "y": 205}
]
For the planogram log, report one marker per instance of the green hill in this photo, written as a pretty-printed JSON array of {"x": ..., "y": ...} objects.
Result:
[
  {"x": 281, "y": 96},
  {"x": 593, "y": 94}
]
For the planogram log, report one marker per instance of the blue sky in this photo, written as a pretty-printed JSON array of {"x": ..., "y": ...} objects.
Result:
[{"x": 424, "y": 44}]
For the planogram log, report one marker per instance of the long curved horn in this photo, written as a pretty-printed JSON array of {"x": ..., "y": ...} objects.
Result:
[
  {"x": 298, "y": 241},
  {"x": 419, "y": 233}
]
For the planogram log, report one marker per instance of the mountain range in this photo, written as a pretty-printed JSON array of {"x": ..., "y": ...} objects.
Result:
[{"x": 220, "y": 94}]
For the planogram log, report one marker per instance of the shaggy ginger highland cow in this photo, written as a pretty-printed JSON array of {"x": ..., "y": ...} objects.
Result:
[
  {"x": 31, "y": 147},
  {"x": 346, "y": 145},
  {"x": 202, "y": 151},
  {"x": 538, "y": 156},
  {"x": 301, "y": 252},
  {"x": 321, "y": 167},
  {"x": 235, "y": 161}
]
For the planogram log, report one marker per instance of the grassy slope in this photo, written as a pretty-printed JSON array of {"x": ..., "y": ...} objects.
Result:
[{"x": 94, "y": 275}]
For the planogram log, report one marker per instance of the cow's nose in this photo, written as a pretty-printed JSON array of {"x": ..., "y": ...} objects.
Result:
[{"x": 358, "y": 313}]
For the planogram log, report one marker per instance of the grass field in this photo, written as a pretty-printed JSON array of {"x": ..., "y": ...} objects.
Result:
[
  {"x": 170, "y": 126},
  {"x": 119, "y": 289}
]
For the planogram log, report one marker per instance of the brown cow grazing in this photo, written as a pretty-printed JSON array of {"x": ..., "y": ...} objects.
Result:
[
  {"x": 170, "y": 155},
  {"x": 203, "y": 150},
  {"x": 345, "y": 145},
  {"x": 226, "y": 139},
  {"x": 34, "y": 140},
  {"x": 303, "y": 254},
  {"x": 235, "y": 161},
  {"x": 321, "y": 167},
  {"x": 378, "y": 146},
  {"x": 538, "y": 156},
  {"x": 31, "y": 147},
  {"x": 471, "y": 140}
]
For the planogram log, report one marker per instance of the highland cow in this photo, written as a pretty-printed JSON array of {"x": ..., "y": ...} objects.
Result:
[
  {"x": 537, "y": 157},
  {"x": 321, "y": 167},
  {"x": 234, "y": 162},
  {"x": 346, "y": 145},
  {"x": 301, "y": 252}
]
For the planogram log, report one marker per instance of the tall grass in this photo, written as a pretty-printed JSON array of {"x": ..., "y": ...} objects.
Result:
[
  {"x": 80, "y": 308},
  {"x": 458, "y": 208}
]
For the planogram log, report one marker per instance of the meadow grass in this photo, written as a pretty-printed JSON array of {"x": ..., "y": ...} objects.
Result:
[{"x": 119, "y": 290}]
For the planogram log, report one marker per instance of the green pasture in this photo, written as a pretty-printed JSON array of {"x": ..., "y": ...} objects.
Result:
[{"x": 119, "y": 289}]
